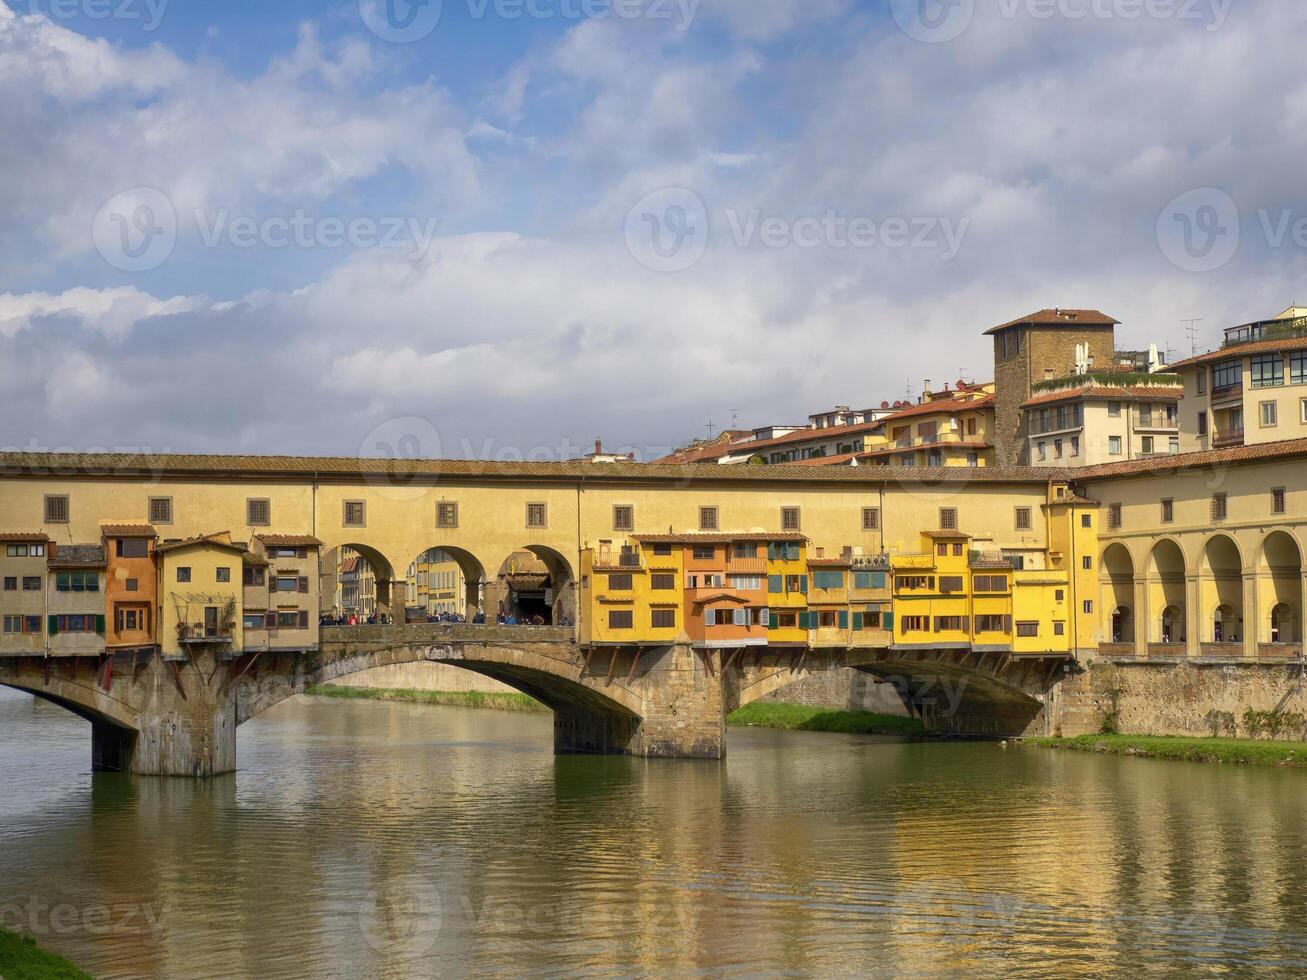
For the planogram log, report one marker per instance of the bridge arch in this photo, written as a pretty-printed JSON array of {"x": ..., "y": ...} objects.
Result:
[
  {"x": 74, "y": 690},
  {"x": 537, "y": 581},
  {"x": 445, "y": 578},
  {"x": 369, "y": 584}
]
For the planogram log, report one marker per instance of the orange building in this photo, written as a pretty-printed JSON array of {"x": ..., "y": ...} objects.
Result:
[{"x": 131, "y": 586}]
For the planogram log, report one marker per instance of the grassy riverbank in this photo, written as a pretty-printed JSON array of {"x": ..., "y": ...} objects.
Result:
[
  {"x": 22, "y": 959},
  {"x": 1235, "y": 751},
  {"x": 457, "y": 699},
  {"x": 798, "y": 717}
]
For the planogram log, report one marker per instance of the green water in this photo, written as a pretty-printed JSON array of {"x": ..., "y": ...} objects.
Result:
[{"x": 380, "y": 839}]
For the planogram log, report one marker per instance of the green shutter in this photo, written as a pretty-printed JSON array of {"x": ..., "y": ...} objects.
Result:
[
  {"x": 99, "y": 624},
  {"x": 844, "y": 619},
  {"x": 888, "y": 620},
  {"x": 878, "y": 580},
  {"x": 775, "y": 584},
  {"x": 803, "y": 584},
  {"x": 857, "y": 621},
  {"x": 52, "y": 625}
]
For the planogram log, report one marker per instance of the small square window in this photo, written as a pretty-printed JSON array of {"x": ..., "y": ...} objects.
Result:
[
  {"x": 871, "y": 518},
  {"x": 447, "y": 514},
  {"x": 160, "y": 510},
  {"x": 790, "y": 519},
  {"x": 948, "y": 518},
  {"x": 623, "y": 517},
  {"x": 224, "y": 574},
  {"x": 1168, "y": 511},
  {"x": 355, "y": 513},
  {"x": 1087, "y": 563},
  {"x": 1086, "y": 520},
  {"x": 132, "y": 585},
  {"x": 1114, "y": 516},
  {"x": 537, "y": 515},
  {"x": 56, "y": 509},
  {"x": 183, "y": 573},
  {"x": 1088, "y": 607},
  {"x": 1220, "y": 507},
  {"x": 1023, "y": 518},
  {"x": 258, "y": 512},
  {"x": 1277, "y": 500},
  {"x": 708, "y": 519},
  {"x": 1270, "y": 414}
]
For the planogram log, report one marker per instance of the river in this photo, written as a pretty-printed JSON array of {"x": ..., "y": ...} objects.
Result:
[{"x": 379, "y": 839}]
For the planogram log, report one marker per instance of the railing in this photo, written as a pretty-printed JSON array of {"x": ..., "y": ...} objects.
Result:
[
  {"x": 1151, "y": 421},
  {"x": 446, "y": 633},
  {"x": 1230, "y": 437}
]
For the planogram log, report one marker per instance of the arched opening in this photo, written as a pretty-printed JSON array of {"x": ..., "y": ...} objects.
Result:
[
  {"x": 445, "y": 585},
  {"x": 1166, "y": 591},
  {"x": 1118, "y": 572},
  {"x": 1279, "y": 574},
  {"x": 1220, "y": 586},
  {"x": 536, "y": 586},
  {"x": 359, "y": 586}
]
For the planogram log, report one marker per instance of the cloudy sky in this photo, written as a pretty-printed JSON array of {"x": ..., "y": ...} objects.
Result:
[{"x": 501, "y": 228}]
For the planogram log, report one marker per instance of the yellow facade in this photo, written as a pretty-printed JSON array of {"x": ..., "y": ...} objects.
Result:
[
  {"x": 201, "y": 595},
  {"x": 635, "y": 583},
  {"x": 788, "y": 584}
]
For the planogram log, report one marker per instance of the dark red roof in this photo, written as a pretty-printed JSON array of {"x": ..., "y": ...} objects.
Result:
[
  {"x": 1266, "y": 451},
  {"x": 1059, "y": 318}
]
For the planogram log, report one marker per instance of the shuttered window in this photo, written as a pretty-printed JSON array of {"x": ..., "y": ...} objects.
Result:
[
  {"x": 56, "y": 509},
  {"x": 160, "y": 510},
  {"x": 355, "y": 513},
  {"x": 447, "y": 514},
  {"x": 258, "y": 512},
  {"x": 537, "y": 515}
]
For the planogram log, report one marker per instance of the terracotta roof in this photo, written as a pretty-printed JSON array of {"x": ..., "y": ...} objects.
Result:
[
  {"x": 14, "y": 537},
  {"x": 831, "y": 562},
  {"x": 256, "y": 560},
  {"x": 1242, "y": 350},
  {"x": 1059, "y": 318},
  {"x": 947, "y": 535},
  {"x": 383, "y": 472},
  {"x": 951, "y": 407},
  {"x": 837, "y": 460},
  {"x": 1075, "y": 498},
  {"x": 1261, "y": 452},
  {"x": 289, "y": 540},
  {"x": 78, "y": 556},
  {"x": 894, "y": 450},
  {"x": 350, "y": 565},
  {"x": 210, "y": 540},
  {"x": 705, "y": 537},
  {"x": 128, "y": 531},
  {"x": 1133, "y": 393},
  {"x": 719, "y": 597}
]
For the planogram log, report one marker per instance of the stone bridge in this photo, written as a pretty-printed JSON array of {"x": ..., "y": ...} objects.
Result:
[{"x": 154, "y": 716}]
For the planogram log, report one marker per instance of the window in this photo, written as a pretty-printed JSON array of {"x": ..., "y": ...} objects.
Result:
[
  {"x": 1200, "y": 381},
  {"x": 621, "y": 619},
  {"x": 662, "y": 550},
  {"x": 1086, "y": 520},
  {"x": 253, "y": 621},
  {"x": 22, "y": 624},
  {"x": 183, "y": 573},
  {"x": 914, "y": 624},
  {"x": 56, "y": 509},
  {"x": 258, "y": 512},
  {"x": 1114, "y": 445},
  {"x": 745, "y": 549},
  {"x": 1059, "y": 595},
  {"x": 133, "y": 585},
  {"x": 869, "y": 580},
  {"x": 827, "y": 580},
  {"x": 1114, "y": 409},
  {"x": 160, "y": 510},
  {"x": 941, "y": 549},
  {"x": 1075, "y": 445},
  {"x": 1277, "y": 500},
  {"x": 991, "y": 624},
  {"x": 1302, "y": 411},
  {"x": 790, "y": 519},
  {"x": 1042, "y": 450},
  {"x": 355, "y": 513},
  {"x": 1057, "y": 448},
  {"x": 905, "y": 583},
  {"x": 11, "y": 583},
  {"x": 1088, "y": 607},
  {"x": 447, "y": 514},
  {"x": 663, "y": 619},
  {"x": 1173, "y": 445},
  {"x": 620, "y": 582},
  {"x": 77, "y": 582},
  {"x": 1227, "y": 374},
  {"x": 746, "y": 583},
  {"x": 254, "y": 576},
  {"x": 950, "y": 624},
  {"x": 131, "y": 620},
  {"x": 950, "y": 583},
  {"x": 1114, "y": 516},
  {"x": 1023, "y": 518},
  {"x": 1270, "y": 414},
  {"x": 289, "y": 619},
  {"x": 1028, "y": 629},
  {"x": 1087, "y": 563},
  {"x": 31, "y": 583},
  {"x": 662, "y": 582},
  {"x": 796, "y": 583},
  {"x": 871, "y": 515},
  {"x": 989, "y": 583},
  {"x": 76, "y": 624},
  {"x": 623, "y": 517},
  {"x": 1202, "y": 423},
  {"x": 1220, "y": 507},
  {"x": 948, "y": 518},
  {"x": 704, "y": 552},
  {"x": 1147, "y": 445},
  {"x": 1267, "y": 370},
  {"x": 132, "y": 548},
  {"x": 224, "y": 574},
  {"x": 708, "y": 518},
  {"x": 1168, "y": 511},
  {"x": 1059, "y": 629}
]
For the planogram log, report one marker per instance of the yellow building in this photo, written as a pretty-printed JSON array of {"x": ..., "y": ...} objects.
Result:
[
  {"x": 953, "y": 427},
  {"x": 787, "y": 593},
  {"x": 200, "y": 595},
  {"x": 632, "y": 593},
  {"x": 437, "y": 586}
]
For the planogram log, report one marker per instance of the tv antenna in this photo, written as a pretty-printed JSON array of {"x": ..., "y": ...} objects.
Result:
[
  {"x": 711, "y": 429},
  {"x": 735, "y": 418},
  {"x": 1191, "y": 329}
]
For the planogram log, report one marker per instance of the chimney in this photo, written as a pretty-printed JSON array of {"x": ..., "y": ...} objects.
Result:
[
  {"x": 599, "y": 447},
  {"x": 926, "y": 394}
]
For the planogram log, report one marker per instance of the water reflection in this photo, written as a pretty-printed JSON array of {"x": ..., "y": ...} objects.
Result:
[{"x": 388, "y": 840}]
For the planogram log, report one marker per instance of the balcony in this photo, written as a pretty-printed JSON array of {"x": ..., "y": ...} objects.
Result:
[
  {"x": 1228, "y": 437},
  {"x": 1169, "y": 423},
  {"x": 199, "y": 633}
]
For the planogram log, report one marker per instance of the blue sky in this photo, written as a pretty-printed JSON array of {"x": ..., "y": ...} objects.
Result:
[{"x": 272, "y": 227}]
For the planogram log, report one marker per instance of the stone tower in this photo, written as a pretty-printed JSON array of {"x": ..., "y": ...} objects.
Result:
[{"x": 1039, "y": 347}]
